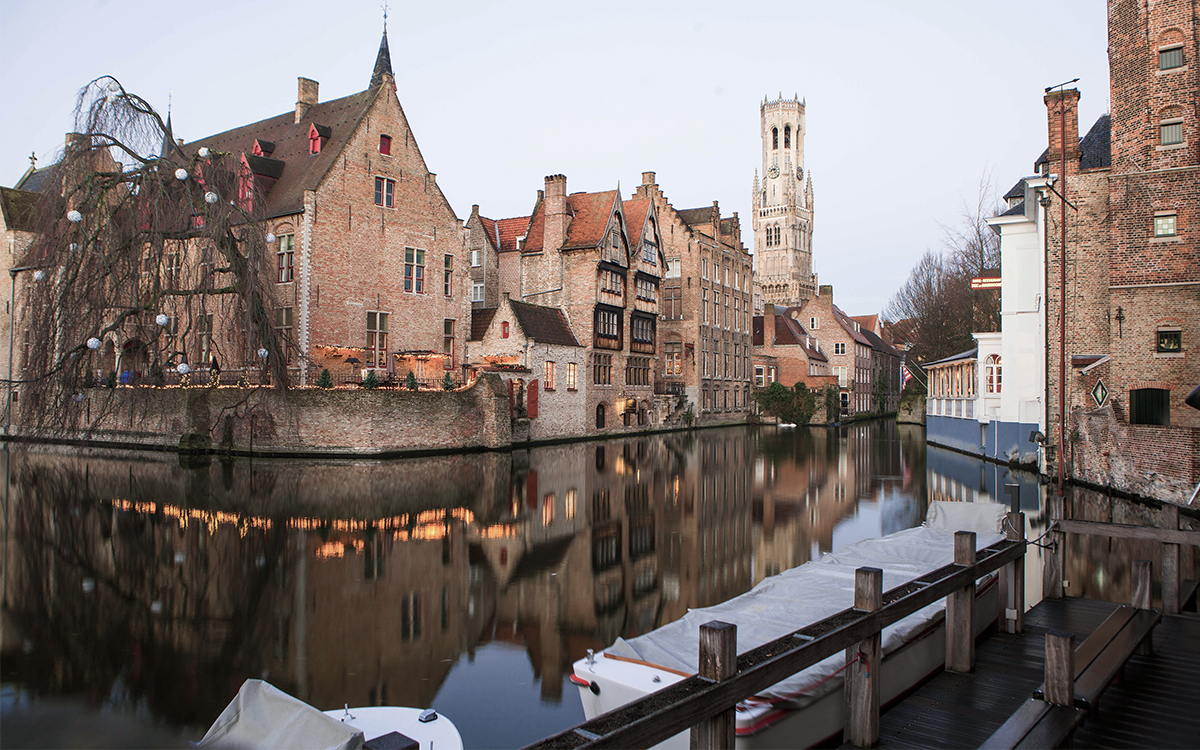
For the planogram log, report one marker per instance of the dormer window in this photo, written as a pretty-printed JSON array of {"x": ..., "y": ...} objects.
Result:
[
  {"x": 385, "y": 145},
  {"x": 317, "y": 135},
  {"x": 262, "y": 148}
]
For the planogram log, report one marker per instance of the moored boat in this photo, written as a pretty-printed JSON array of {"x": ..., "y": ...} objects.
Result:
[{"x": 807, "y": 708}]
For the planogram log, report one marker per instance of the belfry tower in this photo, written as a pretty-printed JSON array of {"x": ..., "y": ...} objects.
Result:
[{"x": 783, "y": 208}]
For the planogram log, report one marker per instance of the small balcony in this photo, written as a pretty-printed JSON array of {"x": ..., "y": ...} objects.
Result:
[{"x": 669, "y": 387}]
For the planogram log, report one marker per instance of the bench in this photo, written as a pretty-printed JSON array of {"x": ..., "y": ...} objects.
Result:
[{"x": 1040, "y": 723}]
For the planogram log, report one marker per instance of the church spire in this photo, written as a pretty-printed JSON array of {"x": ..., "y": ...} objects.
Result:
[
  {"x": 383, "y": 61},
  {"x": 168, "y": 137}
]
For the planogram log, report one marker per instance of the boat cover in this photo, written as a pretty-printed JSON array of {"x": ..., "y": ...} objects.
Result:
[
  {"x": 786, "y": 602},
  {"x": 263, "y": 716}
]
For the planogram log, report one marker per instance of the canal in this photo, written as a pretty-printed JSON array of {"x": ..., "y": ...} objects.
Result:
[{"x": 469, "y": 583}]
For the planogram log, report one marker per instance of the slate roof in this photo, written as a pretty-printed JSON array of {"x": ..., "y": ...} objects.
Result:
[
  {"x": 481, "y": 318},
  {"x": 20, "y": 209},
  {"x": 694, "y": 216},
  {"x": 383, "y": 60},
  {"x": 297, "y": 170},
  {"x": 1095, "y": 148},
  {"x": 970, "y": 354},
  {"x": 547, "y": 325},
  {"x": 1017, "y": 210},
  {"x": 844, "y": 320},
  {"x": 38, "y": 180},
  {"x": 1016, "y": 191},
  {"x": 880, "y": 345}
]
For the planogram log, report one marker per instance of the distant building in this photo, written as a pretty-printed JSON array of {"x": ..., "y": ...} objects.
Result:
[
  {"x": 848, "y": 350},
  {"x": 783, "y": 209},
  {"x": 785, "y": 352}
]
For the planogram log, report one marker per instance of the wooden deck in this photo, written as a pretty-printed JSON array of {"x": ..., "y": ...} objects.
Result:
[{"x": 1153, "y": 707}]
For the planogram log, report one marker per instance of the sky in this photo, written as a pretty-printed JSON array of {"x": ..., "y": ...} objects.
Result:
[{"x": 910, "y": 106}]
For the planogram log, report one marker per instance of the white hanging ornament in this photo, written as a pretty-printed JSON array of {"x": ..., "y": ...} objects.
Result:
[
  {"x": 210, "y": 197},
  {"x": 262, "y": 353},
  {"x": 74, "y": 247},
  {"x": 181, "y": 174},
  {"x": 270, "y": 238},
  {"x": 93, "y": 343},
  {"x": 39, "y": 274},
  {"x": 183, "y": 368},
  {"x": 203, "y": 152},
  {"x": 74, "y": 217},
  {"x": 162, "y": 319}
]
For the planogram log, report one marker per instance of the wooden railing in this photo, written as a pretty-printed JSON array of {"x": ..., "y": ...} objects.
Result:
[{"x": 705, "y": 702}]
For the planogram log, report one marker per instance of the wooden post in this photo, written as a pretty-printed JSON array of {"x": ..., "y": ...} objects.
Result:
[
  {"x": 1052, "y": 560},
  {"x": 1170, "y": 561},
  {"x": 1060, "y": 668},
  {"x": 718, "y": 661},
  {"x": 1142, "y": 588},
  {"x": 862, "y": 676},
  {"x": 1014, "y": 577},
  {"x": 960, "y": 610}
]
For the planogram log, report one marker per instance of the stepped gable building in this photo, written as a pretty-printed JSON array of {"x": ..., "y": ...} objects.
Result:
[
  {"x": 783, "y": 208},
  {"x": 1132, "y": 260},
  {"x": 706, "y": 304},
  {"x": 369, "y": 254},
  {"x": 599, "y": 260}
]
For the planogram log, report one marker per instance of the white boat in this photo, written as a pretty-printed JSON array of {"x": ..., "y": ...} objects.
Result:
[
  {"x": 263, "y": 716},
  {"x": 807, "y": 708},
  {"x": 786, "y": 425}
]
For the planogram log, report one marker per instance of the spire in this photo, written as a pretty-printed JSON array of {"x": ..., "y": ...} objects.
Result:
[
  {"x": 168, "y": 137},
  {"x": 383, "y": 61}
]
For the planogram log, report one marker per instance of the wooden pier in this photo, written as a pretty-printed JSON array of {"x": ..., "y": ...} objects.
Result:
[{"x": 1154, "y": 706}]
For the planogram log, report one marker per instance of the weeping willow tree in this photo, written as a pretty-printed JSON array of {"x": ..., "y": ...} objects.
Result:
[{"x": 146, "y": 267}]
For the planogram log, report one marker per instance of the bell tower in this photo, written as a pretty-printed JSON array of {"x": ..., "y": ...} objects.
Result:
[{"x": 783, "y": 208}]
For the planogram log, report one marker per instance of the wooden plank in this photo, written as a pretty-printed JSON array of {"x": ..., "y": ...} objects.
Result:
[
  {"x": 1101, "y": 636},
  {"x": 1120, "y": 531},
  {"x": 663, "y": 714},
  {"x": 718, "y": 661},
  {"x": 1055, "y": 728},
  {"x": 1052, "y": 560},
  {"x": 1169, "y": 521},
  {"x": 1092, "y": 681},
  {"x": 960, "y": 607},
  {"x": 1018, "y": 725},
  {"x": 1060, "y": 668},
  {"x": 862, "y": 674},
  {"x": 1014, "y": 578}
]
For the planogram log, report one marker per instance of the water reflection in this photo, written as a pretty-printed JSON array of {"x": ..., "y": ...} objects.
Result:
[{"x": 466, "y": 582}]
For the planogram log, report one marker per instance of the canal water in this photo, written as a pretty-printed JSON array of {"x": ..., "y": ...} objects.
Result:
[{"x": 469, "y": 583}]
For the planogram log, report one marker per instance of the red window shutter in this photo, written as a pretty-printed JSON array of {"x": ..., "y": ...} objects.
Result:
[
  {"x": 531, "y": 490},
  {"x": 533, "y": 399},
  {"x": 385, "y": 144}
]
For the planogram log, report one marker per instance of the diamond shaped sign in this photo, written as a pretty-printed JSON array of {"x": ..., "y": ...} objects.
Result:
[{"x": 1100, "y": 393}]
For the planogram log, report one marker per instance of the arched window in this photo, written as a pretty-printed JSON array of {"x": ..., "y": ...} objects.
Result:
[
  {"x": 774, "y": 138},
  {"x": 777, "y": 240},
  {"x": 991, "y": 373},
  {"x": 600, "y": 415},
  {"x": 787, "y": 136}
]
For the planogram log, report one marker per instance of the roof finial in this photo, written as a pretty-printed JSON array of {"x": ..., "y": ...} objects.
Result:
[
  {"x": 385, "y": 10},
  {"x": 33, "y": 160}
]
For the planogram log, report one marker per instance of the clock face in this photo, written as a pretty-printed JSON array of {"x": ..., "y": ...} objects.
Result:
[{"x": 773, "y": 172}]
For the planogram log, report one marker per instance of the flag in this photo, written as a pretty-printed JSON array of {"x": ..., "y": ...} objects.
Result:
[{"x": 905, "y": 376}]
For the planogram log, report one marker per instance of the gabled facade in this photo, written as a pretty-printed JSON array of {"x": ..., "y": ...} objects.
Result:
[
  {"x": 368, "y": 256},
  {"x": 785, "y": 352},
  {"x": 486, "y": 240},
  {"x": 599, "y": 259},
  {"x": 848, "y": 350},
  {"x": 707, "y": 296}
]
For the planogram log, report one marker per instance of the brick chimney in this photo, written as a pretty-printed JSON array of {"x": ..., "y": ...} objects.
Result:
[
  {"x": 555, "y": 213},
  {"x": 1055, "y": 102},
  {"x": 306, "y": 96}
]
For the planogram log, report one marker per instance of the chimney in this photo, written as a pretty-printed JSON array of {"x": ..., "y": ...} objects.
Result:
[
  {"x": 769, "y": 324},
  {"x": 555, "y": 212},
  {"x": 716, "y": 221},
  {"x": 306, "y": 96},
  {"x": 1056, "y": 103},
  {"x": 826, "y": 290}
]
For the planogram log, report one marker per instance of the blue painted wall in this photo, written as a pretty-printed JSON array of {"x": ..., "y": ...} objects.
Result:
[{"x": 960, "y": 434}]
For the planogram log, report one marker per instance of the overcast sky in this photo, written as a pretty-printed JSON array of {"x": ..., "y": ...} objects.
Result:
[{"x": 908, "y": 104}]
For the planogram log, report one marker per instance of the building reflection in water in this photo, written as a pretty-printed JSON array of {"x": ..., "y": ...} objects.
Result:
[{"x": 157, "y": 590}]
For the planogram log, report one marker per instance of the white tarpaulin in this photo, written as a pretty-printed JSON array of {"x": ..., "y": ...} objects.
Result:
[
  {"x": 263, "y": 716},
  {"x": 816, "y": 590}
]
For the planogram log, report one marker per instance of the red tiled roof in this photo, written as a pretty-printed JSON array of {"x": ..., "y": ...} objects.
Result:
[
  {"x": 592, "y": 212},
  {"x": 869, "y": 322},
  {"x": 510, "y": 231},
  {"x": 489, "y": 231},
  {"x": 635, "y": 218}
]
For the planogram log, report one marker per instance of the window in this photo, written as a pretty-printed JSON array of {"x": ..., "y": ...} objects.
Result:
[
  {"x": 286, "y": 256},
  {"x": 548, "y": 374},
  {"x": 1170, "y": 58},
  {"x": 774, "y": 138},
  {"x": 992, "y": 373},
  {"x": 646, "y": 290},
  {"x": 448, "y": 276},
  {"x": 414, "y": 270},
  {"x": 843, "y": 379},
  {"x": 642, "y": 333},
  {"x": 607, "y": 324},
  {"x": 787, "y": 136},
  {"x": 760, "y": 378},
  {"x": 673, "y": 265},
  {"x": 778, "y": 242},
  {"x": 649, "y": 252},
  {"x": 704, "y": 303},
  {"x": 1171, "y": 133},
  {"x": 314, "y": 141},
  {"x": 504, "y": 330},
  {"x": 477, "y": 291},
  {"x": 602, "y": 371},
  {"x": 1170, "y": 341},
  {"x": 814, "y": 324},
  {"x": 600, "y": 415},
  {"x": 377, "y": 335},
  {"x": 385, "y": 145},
  {"x": 610, "y": 281},
  {"x": 673, "y": 359},
  {"x": 283, "y": 324},
  {"x": 571, "y": 376},
  {"x": 448, "y": 343},
  {"x": 1164, "y": 225},
  {"x": 476, "y": 258},
  {"x": 839, "y": 348},
  {"x": 1150, "y": 406},
  {"x": 637, "y": 371},
  {"x": 385, "y": 192},
  {"x": 704, "y": 268}
]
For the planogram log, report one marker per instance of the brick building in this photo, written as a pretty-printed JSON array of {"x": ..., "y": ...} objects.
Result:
[
  {"x": 369, "y": 256},
  {"x": 705, "y": 309},
  {"x": 785, "y": 352},
  {"x": 848, "y": 350},
  {"x": 1132, "y": 261}
]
